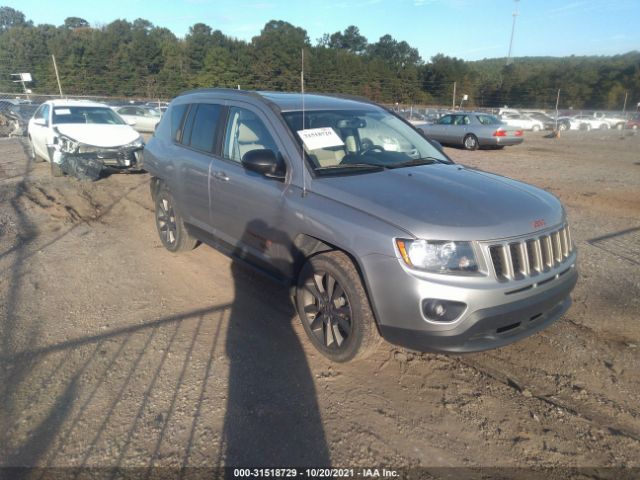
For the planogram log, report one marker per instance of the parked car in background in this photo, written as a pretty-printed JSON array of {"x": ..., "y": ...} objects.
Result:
[
  {"x": 634, "y": 121},
  {"x": 14, "y": 117},
  {"x": 587, "y": 122},
  {"x": 375, "y": 229},
  {"x": 472, "y": 130},
  {"x": 143, "y": 118},
  {"x": 71, "y": 131},
  {"x": 612, "y": 120},
  {"x": 549, "y": 122},
  {"x": 521, "y": 121}
]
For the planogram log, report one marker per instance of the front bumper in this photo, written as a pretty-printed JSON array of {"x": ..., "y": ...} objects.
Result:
[{"x": 495, "y": 315}]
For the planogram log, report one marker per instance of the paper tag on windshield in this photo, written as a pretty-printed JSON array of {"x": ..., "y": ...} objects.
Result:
[
  {"x": 316, "y": 138},
  {"x": 62, "y": 111}
]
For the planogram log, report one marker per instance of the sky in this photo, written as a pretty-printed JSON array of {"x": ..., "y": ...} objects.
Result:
[{"x": 468, "y": 29}]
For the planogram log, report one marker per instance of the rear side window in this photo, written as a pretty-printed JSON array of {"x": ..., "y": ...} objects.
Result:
[
  {"x": 203, "y": 131},
  {"x": 177, "y": 115}
]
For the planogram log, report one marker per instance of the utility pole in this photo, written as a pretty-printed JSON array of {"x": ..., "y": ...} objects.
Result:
[
  {"x": 557, "y": 103},
  {"x": 453, "y": 100},
  {"x": 624, "y": 107},
  {"x": 55, "y": 67},
  {"x": 513, "y": 29}
]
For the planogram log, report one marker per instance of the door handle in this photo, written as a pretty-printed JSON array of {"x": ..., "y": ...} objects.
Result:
[{"x": 221, "y": 176}]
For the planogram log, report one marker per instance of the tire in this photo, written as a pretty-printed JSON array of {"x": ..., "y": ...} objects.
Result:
[
  {"x": 562, "y": 127},
  {"x": 334, "y": 308},
  {"x": 56, "y": 171},
  {"x": 173, "y": 234},
  {"x": 470, "y": 142}
]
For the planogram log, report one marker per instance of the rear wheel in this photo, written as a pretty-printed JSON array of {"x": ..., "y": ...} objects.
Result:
[
  {"x": 470, "y": 142},
  {"x": 173, "y": 234},
  {"x": 334, "y": 308}
]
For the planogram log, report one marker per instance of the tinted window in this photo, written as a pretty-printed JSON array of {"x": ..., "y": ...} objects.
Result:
[
  {"x": 203, "y": 130},
  {"x": 177, "y": 115},
  {"x": 245, "y": 132},
  {"x": 446, "y": 120}
]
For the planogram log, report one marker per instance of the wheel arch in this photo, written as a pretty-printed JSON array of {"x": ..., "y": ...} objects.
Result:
[{"x": 308, "y": 246}]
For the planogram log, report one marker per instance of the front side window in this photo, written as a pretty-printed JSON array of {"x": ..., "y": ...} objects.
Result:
[
  {"x": 336, "y": 140},
  {"x": 446, "y": 120},
  {"x": 94, "y": 115},
  {"x": 245, "y": 132}
]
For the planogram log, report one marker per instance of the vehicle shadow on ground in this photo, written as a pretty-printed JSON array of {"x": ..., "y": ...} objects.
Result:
[
  {"x": 272, "y": 417},
  {"x": 97, "y": 395}
]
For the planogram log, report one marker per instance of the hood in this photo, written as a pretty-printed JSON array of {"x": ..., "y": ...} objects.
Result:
[
  {"x": 446, "y": 202},
  {"x": 99, "y": 135}
]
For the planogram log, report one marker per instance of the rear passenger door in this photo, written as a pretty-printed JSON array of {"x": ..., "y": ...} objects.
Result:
[
  {"x": 248, "y": 209},
  {"x": 199, "y": 141}
]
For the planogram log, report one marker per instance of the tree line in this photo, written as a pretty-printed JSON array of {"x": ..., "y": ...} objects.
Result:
[{"x": 139, "y": 59}]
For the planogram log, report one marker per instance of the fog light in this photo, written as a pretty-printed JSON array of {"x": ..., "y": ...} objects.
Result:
[{"x": 442, "y": 310}]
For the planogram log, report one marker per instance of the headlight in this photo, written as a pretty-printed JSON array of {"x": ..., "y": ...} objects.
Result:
[
  {"x": 138, "y": 142},
  {"x": 438, "y": 256}
]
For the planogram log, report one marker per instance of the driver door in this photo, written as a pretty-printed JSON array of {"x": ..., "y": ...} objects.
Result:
[
  {"x": 40, "y": 133},
  {"x": 247, "y": 209}
]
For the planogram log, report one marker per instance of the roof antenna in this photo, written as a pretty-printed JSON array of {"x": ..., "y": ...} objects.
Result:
[{"x": 304, "y": 176}]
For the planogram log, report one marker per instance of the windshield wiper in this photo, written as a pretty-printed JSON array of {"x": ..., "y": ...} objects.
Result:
[
  {"x": 351, "y": 166},
  {"x": 415, "y": 162}
]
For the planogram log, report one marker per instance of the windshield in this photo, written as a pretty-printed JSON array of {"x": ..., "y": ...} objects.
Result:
[
  {"x": 343, "y": 140},
  {"x": 100, "y": 115}
]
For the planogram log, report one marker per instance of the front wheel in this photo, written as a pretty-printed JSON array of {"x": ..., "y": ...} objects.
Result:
[
  {"x": 470, "y": 142},
  {"x": 334, "y": 308},
  {"x": 173, "y": 234},
  {"x": 562, "y": 127}
]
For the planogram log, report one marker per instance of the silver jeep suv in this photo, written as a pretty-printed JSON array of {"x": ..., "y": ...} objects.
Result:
[{"x": 375, "y": 229}]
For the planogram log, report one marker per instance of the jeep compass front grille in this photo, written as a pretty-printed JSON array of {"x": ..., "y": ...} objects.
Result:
[{"x": 531, "y": 256}]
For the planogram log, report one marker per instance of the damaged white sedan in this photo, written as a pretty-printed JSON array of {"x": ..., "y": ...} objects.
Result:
[{"x": 83, "y": 139}]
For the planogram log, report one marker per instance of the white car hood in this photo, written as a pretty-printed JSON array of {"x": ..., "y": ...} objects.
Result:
[{"x": 99, "y": 135}]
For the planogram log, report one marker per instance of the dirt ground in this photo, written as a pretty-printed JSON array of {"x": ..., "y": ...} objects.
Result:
[{"x": 115, "y": 352}]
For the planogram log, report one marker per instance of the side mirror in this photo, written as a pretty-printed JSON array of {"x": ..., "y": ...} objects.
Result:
[
  {"x": 130, "y": 122},
  {"x": 40, "y": 122},
  {"x": 265, "y": 162}
]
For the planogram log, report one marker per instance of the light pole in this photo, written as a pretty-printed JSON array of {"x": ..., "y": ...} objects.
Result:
[{"x": 513, "y": 29}]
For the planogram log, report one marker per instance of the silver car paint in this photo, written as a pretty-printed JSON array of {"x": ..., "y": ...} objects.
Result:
[{"x": 361, "y": 215}]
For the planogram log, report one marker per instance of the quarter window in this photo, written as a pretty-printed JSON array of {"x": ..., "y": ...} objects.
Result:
[
  {"x": 177, "y": 116},
  {"x": 200, "y": 127},
  {"x": 245, "y": 132}
]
